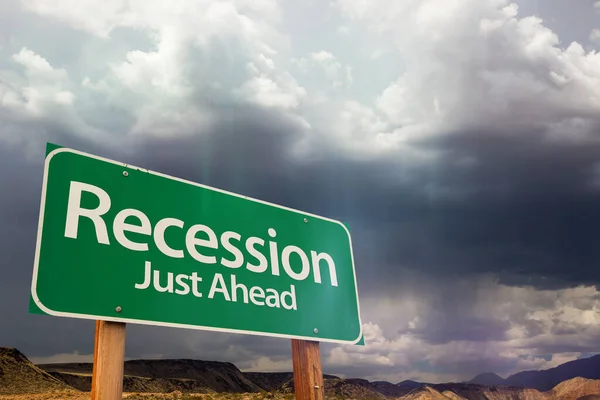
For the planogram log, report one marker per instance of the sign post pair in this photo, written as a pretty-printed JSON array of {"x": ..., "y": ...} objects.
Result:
[{"x": 120, "y": 244}]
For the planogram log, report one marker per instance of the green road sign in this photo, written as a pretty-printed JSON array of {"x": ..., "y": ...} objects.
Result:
[{"x": 121, "y": 243}]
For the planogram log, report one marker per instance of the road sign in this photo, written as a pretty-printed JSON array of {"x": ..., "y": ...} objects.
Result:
[{"x": 124, "y": 244}]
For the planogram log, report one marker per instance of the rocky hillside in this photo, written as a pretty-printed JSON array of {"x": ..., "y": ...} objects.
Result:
[
  {"x": 206, "y": 375},
  {"x": 424, "y": 393},
  {"x": 270, "y": 381},
  {"x": 480, "y": 392},
  {"x": 573, "y": 389},
  {"x": 19, "y": 375},
  {"x": 341, "y": 388},
  {"x": 576, "y": 388},
  {"x": 83, "y": 382},
  {"x": 452, "y": 395}
]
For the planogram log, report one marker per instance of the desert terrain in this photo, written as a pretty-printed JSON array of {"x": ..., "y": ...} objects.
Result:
[{"x": 20, "y": 379}]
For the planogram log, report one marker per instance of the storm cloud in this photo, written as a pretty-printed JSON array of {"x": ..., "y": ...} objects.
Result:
[{"x": 459, "y": 142}]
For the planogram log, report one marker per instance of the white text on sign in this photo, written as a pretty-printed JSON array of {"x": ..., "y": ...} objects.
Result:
[{"x": 183, "y": 284}]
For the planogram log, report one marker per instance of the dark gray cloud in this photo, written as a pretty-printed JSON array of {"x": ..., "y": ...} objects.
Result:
[
  {"x": 542, "y": 225},
  {"x": 526, "y": 211},
  {"x": 19, "y": 205}
]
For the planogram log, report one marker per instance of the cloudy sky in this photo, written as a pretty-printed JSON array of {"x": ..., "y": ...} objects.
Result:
[{"x": 459, "y": 139}]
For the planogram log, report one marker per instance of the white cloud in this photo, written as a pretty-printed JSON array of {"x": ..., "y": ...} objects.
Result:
[
  {"x": 595, "y": 35},
  {"x": 39, "y": 98},
  {"x": 466, "y": 64},
  {"x": 335, "y": 72},
  {"x": 45, "y": 87},
  {"x": 167, "y": 89},
  {"x": 536, "y": 328},
  {"x": 198, "y": 20},
  {"x": 472, "y": 63},
  {"x": 108, "y": 14},
  {"x": 266, "y": 364},
  {"x": 264, "y": 91},
  {"x": 323, "y": 64}
]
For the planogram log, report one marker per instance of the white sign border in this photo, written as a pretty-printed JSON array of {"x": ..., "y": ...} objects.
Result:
[{"x": 169, "y": 324}]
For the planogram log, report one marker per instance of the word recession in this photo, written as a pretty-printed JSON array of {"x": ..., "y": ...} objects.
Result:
[{"x": 194, "y": 245}]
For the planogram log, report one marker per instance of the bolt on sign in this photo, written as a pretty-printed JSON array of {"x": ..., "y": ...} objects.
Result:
[{"x": 124, "y": 244}]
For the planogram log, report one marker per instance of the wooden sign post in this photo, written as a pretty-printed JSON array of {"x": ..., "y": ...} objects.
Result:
[
  {"x": 109, "y": 359},
  {"x": 308, "y": 374}
]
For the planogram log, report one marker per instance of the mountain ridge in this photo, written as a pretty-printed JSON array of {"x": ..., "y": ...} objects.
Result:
[
  {"x": 214, "y": 377},
  {"x": 545, "y": 380},
  {"x": 542, "y": 380},
  {"x": 217, "y": 375},
  {"x": 488, "y": 378}
]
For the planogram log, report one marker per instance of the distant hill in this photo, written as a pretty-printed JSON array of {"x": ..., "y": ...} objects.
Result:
[
  {"x": 411, "y": 384},
  {"x": 545, "y": 380},
  {"x": 19, "y": 375},
  {"x": 488, "y": 379},
  {"x": 393, "y": 390}
]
